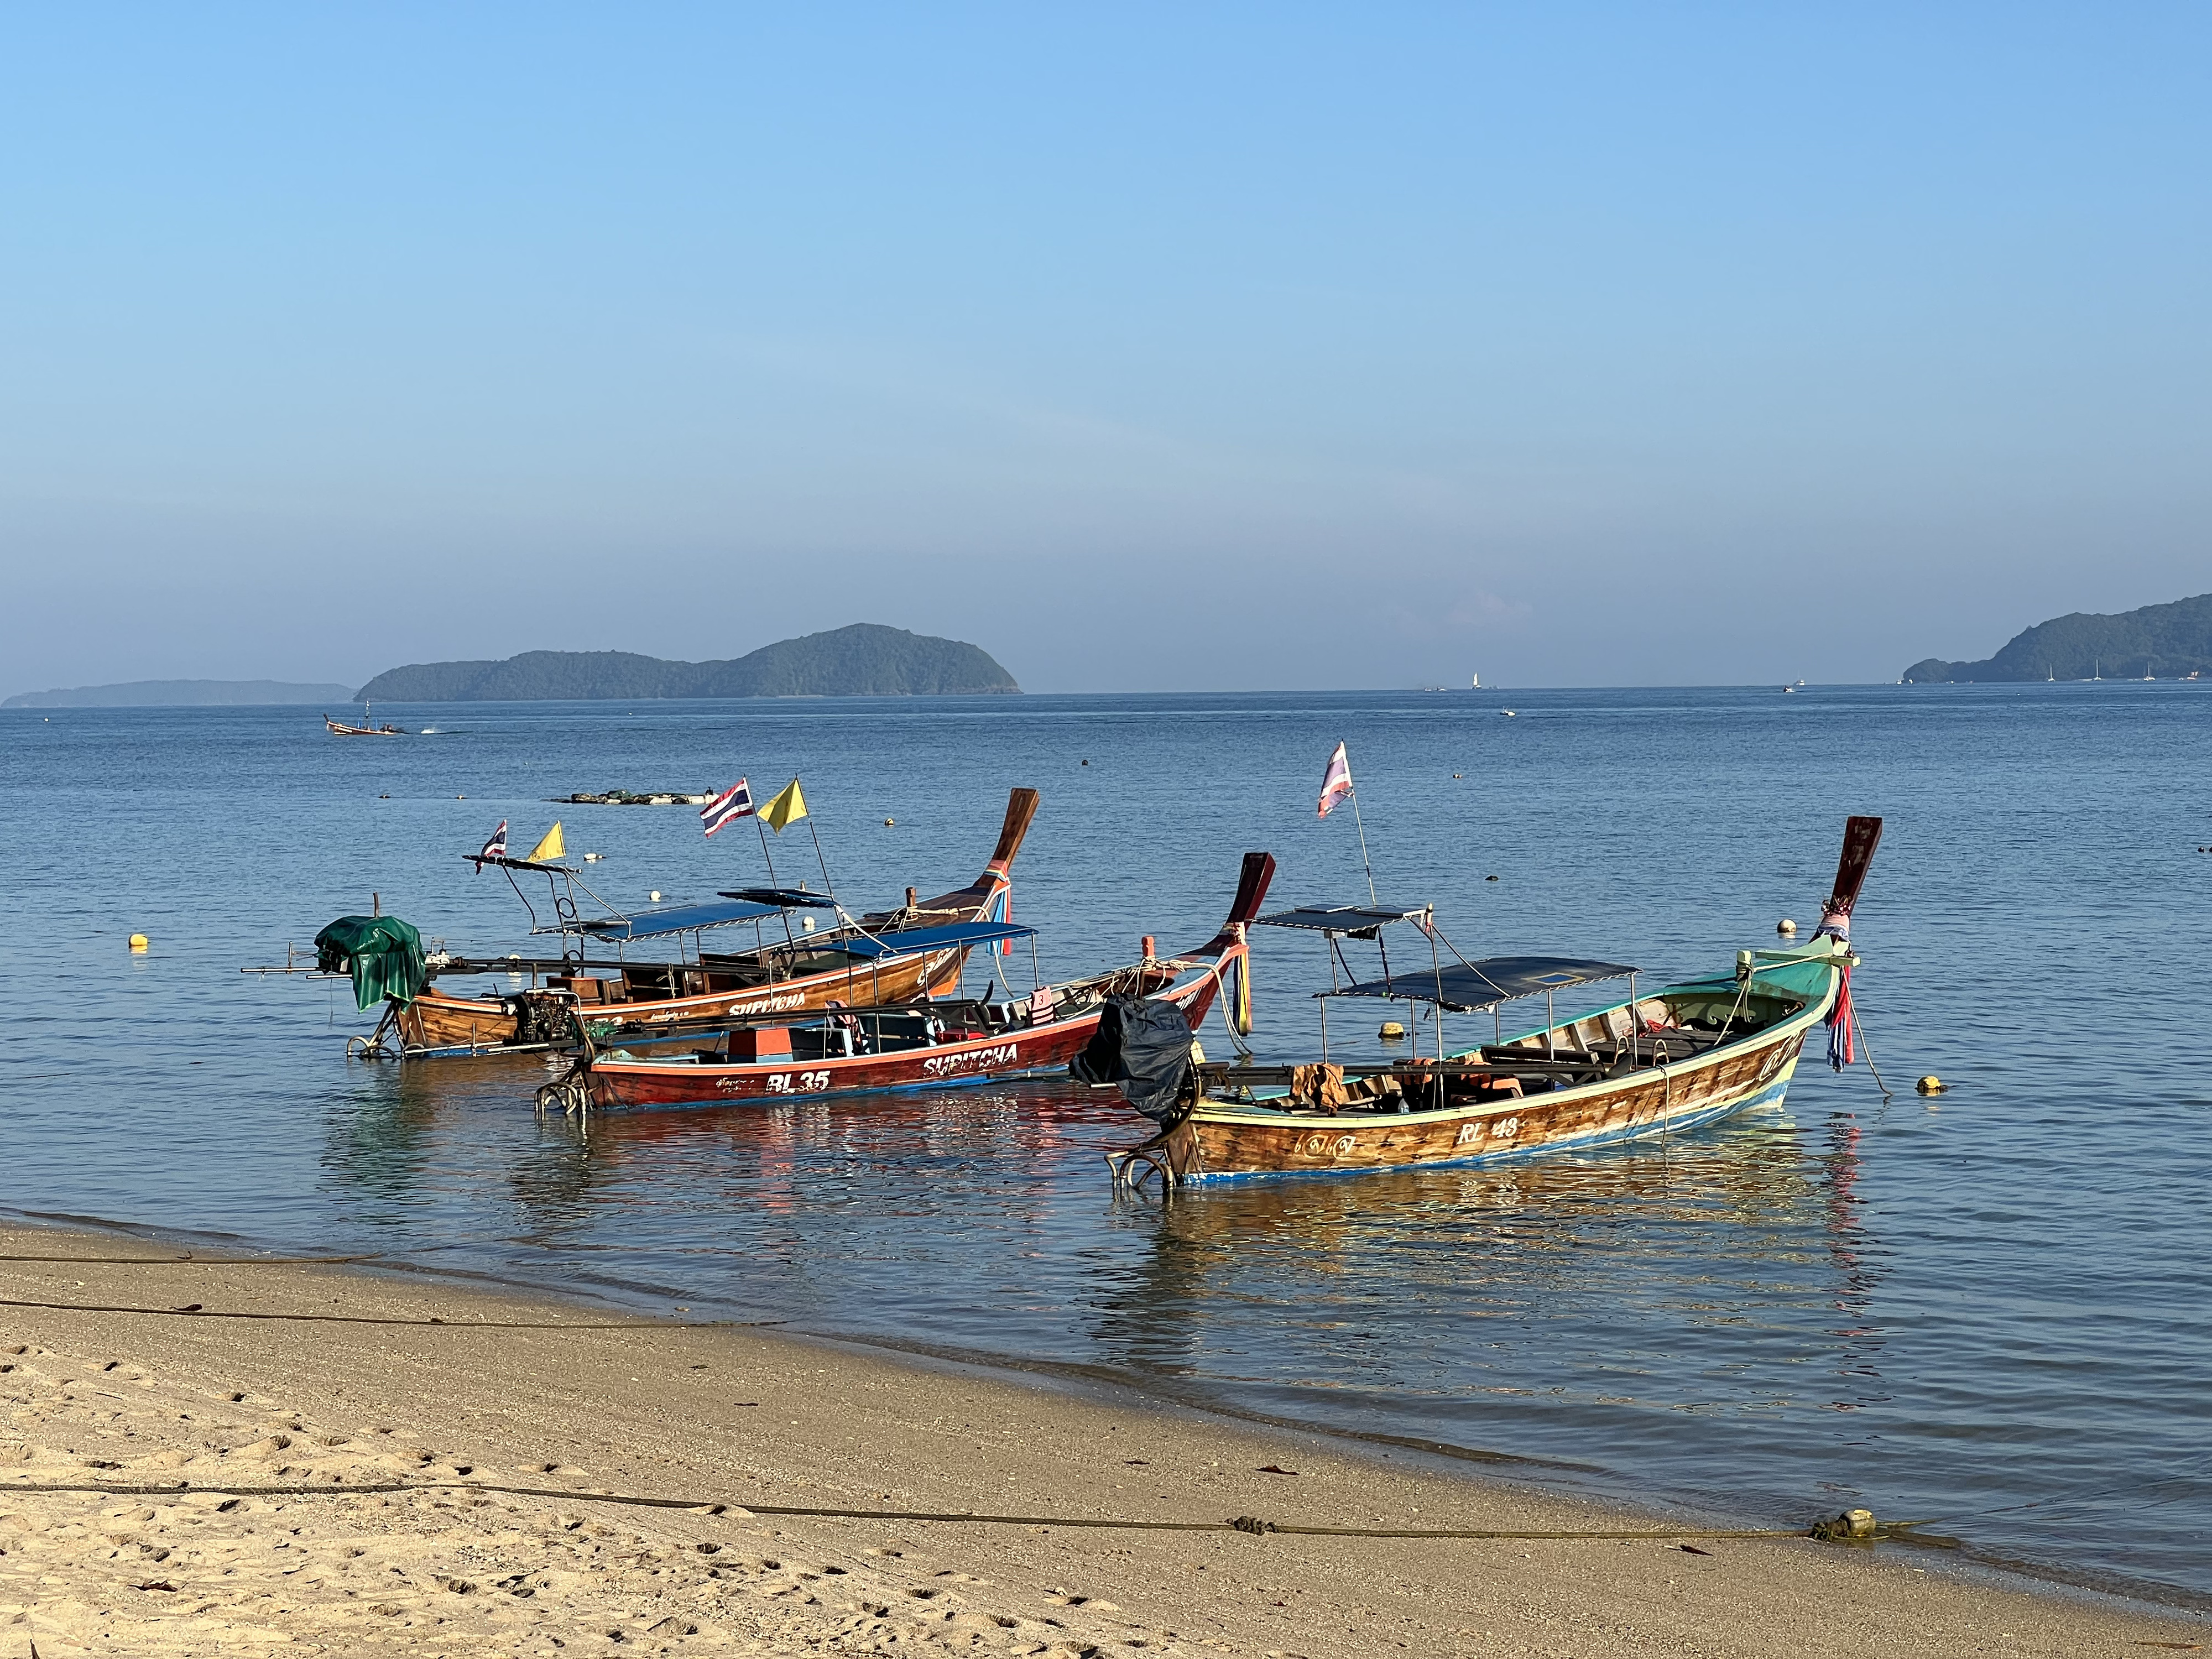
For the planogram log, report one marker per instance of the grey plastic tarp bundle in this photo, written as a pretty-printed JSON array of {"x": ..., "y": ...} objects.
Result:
[
  {"x": 1144, "y": 1045},
  {"x": 383, "y": 954}
]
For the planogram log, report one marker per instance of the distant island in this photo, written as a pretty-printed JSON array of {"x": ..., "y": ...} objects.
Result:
[
  {"x": 863, "y": 661},
  {"x": 2164, "y": 641},
  {"x": 180, "y": 694}
]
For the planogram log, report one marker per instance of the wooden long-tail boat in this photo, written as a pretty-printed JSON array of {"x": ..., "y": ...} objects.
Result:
[
  {"x": 1653, "y": 1065},
  {"x": 862, "y": 1050},
  {"x": 916, "y": 949},
  {"x": 340, "y": 729}
]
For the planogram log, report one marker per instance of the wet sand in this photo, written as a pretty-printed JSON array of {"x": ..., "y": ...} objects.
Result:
[{"x": 371, "y": 1378}]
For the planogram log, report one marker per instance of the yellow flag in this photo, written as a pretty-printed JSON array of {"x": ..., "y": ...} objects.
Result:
[
  {"x": 785, "y": 810},
  {"x": 552, "y": 848}
]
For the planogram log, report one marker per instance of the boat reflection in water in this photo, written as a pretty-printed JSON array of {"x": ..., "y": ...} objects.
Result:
[{"x": 1689, "y": 1312}]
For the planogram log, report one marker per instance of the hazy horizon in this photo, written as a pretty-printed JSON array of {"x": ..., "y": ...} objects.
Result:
[{"x": 1145, "y": 348}]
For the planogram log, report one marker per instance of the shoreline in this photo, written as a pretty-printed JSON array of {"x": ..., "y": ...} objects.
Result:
[
  {"x": 1541, "y": 1476},
  {"x": 361, "y": 1359}
]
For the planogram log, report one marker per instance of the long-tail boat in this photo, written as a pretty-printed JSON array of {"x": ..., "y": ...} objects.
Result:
[
  {"x": 1653, "y": 1065},
  {"x": 340, "y": 729},
  {"x": 916, "y": 949},
  {"x": 934, "y": 1044}
]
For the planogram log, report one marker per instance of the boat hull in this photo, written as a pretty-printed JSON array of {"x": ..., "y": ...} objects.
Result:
[
  {"x": 1223, "y": 1140},
  {"x": 436, "y": 1025},
  {"x": 1020, "y": 1051}
]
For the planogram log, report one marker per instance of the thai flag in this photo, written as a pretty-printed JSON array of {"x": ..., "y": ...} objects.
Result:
[
  {"x": 1336, "y": 783},
  {"x": 733, "y": 803},
  {"x": 496, "y": 847}
]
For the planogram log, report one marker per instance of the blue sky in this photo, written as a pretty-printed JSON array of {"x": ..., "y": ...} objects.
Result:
[{"x": 1148, "y": 347}]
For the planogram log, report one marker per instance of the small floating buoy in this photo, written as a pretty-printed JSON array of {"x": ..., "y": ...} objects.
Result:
[
  {"x": 1785, "y": 926},
  {"x": 1489, "y": 879},
  {"x": 460, "y": 798},
  {"x": 1392, "y": 1031},
  {"x": 654, "y": 895},
  {"x": 139, "y": 941},
  {"x": 1508, "y": 712},
  {"x": 1931, "y": 1084},
  {"x": 1459, "y": 775},
  {"x": 593, "y": 858},
  {"x": 1086, "y": 763},
  {"x": 888, "y": 823}
]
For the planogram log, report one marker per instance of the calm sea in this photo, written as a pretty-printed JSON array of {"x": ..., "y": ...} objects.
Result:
[{"x": 1988, "y": 1308}]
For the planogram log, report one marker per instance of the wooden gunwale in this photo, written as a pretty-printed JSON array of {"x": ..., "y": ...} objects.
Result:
[
  {"x": 435, "y": 1024},
  {"x": 1228, "y": 1140},
  {"x": 1018, "y": 1052}
]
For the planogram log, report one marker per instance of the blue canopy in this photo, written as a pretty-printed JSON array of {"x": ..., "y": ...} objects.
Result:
[
  {"x": 1358, "y": 920},
  {"x": 912, "y": 940},
  {"x": 1465, "y": 986},
  {"x": 670, "y": 919}
]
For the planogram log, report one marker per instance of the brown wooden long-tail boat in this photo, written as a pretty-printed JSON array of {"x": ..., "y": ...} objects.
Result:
[
  {"x": 1656, "y": 1063},
  {"x": 857, "y": 1050},
  {"x": 917, "y": 949}
]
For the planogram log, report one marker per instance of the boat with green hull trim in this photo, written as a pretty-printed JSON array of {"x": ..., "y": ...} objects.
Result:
[{"x": 1653, "y": 1065}]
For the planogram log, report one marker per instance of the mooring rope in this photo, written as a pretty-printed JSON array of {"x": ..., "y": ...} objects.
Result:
[
  {"x": 194, "y": 1310},
  {"x": 1250, "y": 1524}
]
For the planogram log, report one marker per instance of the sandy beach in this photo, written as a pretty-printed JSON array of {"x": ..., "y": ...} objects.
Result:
[{"x": 240, "y": 1388}]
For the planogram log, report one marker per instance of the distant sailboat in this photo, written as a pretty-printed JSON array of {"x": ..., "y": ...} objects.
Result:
[{"x": 1475, "y": 684}]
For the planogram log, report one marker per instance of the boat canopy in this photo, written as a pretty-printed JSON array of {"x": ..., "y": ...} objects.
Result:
[
  {"x": 667, "y": 919},
  {"x": 910, "y": 941},
  {"x": 784, "y": 898},
  {"x": 1358, "y": 920},
  {"x": 1465, "y": 986}
]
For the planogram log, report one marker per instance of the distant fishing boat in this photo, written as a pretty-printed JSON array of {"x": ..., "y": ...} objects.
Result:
[
  {"x": 1656, "y": 1063},
  {"x": 935, "y": 1044},
  {"x": 340, "y": 729}
]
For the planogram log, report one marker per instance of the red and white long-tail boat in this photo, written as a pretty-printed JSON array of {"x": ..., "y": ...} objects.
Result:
[
  {"x": 918, "y": 949},
  {"x": 1654, "y": 1065},
  {"x": 862, "y": 1050}
]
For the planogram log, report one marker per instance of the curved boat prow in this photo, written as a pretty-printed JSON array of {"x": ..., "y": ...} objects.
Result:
[
  {"x": 1021, "y": 812},
  {"x": 1252, "y": 883}
]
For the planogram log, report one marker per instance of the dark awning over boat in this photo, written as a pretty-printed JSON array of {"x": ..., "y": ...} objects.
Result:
[
  {"x": 1465, "y": 986},
  {"x": 786, "y": 898},
  {"x": 670, "y": 919},
  {"x": 1360, "y": 920},
  {"x": 912, "y": 940}
]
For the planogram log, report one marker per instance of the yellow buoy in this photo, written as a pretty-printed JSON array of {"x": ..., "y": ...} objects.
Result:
[
  {"x": 1785, "y": 927},
  {"x": 888, "y": 823},
  {"x": 139, "y": 941},
  {"x": 1391, "y": 1028},
  {"x": 1931, "y": 1084}
]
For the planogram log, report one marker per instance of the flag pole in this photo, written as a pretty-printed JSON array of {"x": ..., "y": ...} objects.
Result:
[
  {"x": 1354, "y": 793},
  {"x": 765, "y": 853},
  {"x": 818, "y": 858}
]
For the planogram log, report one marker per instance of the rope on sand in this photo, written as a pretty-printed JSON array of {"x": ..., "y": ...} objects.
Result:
[
  {"x": 198, "y": 1260},
  {"x": 194, "y": 1310},
  {"x": 1840, "y": 1530}
]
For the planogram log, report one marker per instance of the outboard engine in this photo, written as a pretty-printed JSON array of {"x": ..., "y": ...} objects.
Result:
[{"x": 1144, "y": 1045}]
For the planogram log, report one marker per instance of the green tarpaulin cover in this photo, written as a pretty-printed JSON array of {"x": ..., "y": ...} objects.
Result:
[{"x": 383, "y": 954}]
